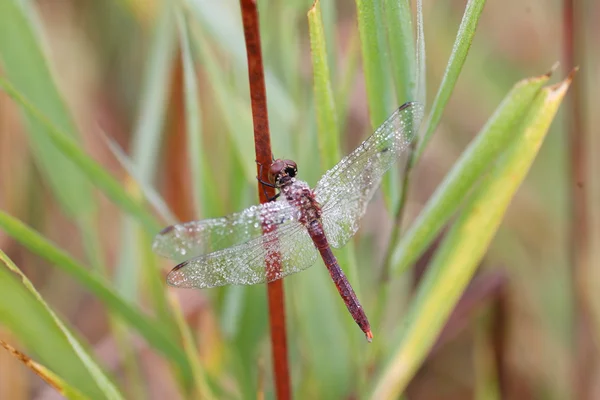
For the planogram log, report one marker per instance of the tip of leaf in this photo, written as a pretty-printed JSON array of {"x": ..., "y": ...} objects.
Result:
[
  {"x": 553, "y": 68},
  {"x": 559, "y": 89},
  {"x": 571, "y": 75}
]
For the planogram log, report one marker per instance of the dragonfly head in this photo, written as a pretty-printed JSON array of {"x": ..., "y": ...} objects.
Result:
[{"x": 282, "y": 171}]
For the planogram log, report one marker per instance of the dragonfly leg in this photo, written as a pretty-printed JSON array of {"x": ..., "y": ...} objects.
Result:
[
  {"x": 269, "y": 184},
  {"x": 263, "y": 183}
]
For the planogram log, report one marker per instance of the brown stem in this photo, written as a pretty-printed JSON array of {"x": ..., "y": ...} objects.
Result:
[
  {"x": 262, "y": 147},
  {"x": 176, "y": 189},
  {"x": 499, "y": 338},
  {"x": 586, "y": 352}
]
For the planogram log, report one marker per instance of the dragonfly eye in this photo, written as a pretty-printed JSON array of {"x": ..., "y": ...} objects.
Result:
[
  {"x": 276, "y": 170},
  {"x": 281, "y": 170},
  {"x": 291, "y": 171},
  {"x": 290, "y": 168}
]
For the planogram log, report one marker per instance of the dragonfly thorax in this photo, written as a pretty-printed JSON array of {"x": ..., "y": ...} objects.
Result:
[{"x": 300, "y": 195}]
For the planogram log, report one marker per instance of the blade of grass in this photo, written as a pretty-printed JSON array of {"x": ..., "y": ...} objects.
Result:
[
  {"x": 465, "y": 244},
  {"x": 421, "y": 67},
  {"x": 147, "y": 190},
  {"x": 327, "y": 126},
  {"x": 375, "y": 60},
  {"x": 202, "y": 180},
  {"x": 327, "y": 123},
  {"x": 62, "y": 387},
  {"x": 26, "y": 314},
  {"x": 493, "y": 138},
  {"x": 347, "y": 79},
  {"x": 94, "y": 171},
  {"x": 464, "y": 37},
  {"x": 25, "y": 65},
  {"x": 154, "y": 334},
  {"x": 402, "y": 48},
  {"x": 377, "y": 77},
  {"x": 235, "y": 112},
  {"x": 329, "y": 17},
  {"x": 145, "y": 148},
  {"x": 202, "y": 390}
]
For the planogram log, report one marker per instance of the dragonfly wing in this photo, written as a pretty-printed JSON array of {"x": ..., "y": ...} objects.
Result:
[
  {"x": 246, "y": 264},
  {"x": 346, "y": 189},
  {"x": 192, "y": 239}
]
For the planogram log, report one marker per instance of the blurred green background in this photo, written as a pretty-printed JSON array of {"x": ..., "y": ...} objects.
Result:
[{"x": 120, "y": 70}]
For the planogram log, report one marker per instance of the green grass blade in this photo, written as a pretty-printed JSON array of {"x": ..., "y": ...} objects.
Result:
[
  {"x": 155, "y": 200},
  {"x": 464, "y": 37},
  {"x": 377, "y": 78},
  {"x": 203, "y": 391},
  {"x": 463, "y": 248},
  {"x": 145, "y": 149},
  {"x": 329, "y": 15},
  {"x": 23, "y": 62},
  {"x": 151, "y": 331},
  {"x": 493, "y": 138},
  {"x": 203, "y": 183},
  {"x": 327, "y": 124},
  {"x": 236, "y": 112},
  {"x": 26, "y": 314},
  {"x": 345, "y": 83},
  {"x": 94, "y": 171},
  {"x": 401, "y": 40},
  {"x": 421, "y": 67},
  {"x": 25, "y": 65},
  {"x": 375, "y": 60},
  {"x": 154, "y": 97}
]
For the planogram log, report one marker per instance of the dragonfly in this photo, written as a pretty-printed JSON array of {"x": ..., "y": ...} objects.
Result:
[{"x": 290, "y": 232}]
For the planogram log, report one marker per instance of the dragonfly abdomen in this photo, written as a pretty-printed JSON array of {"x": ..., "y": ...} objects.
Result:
[{"x": 315, "y": 230}]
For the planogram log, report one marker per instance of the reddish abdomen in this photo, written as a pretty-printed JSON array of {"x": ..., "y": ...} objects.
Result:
[{"x": 315, "y": 229}]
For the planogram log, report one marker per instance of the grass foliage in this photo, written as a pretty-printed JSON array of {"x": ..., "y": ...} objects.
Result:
[{"x": 191, "y": 136}]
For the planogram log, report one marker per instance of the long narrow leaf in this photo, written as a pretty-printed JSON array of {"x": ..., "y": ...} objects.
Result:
[
  {"x": 464, "y": 37},
  {"x": 327, "y": 124},
  {"x": 421, "y": 67},
  {"x": 203, "y": 183},
  {"x": 401, "y": 40},
  {"x": 145, "y": 146},
  {"x": 377, "y": 78},
  {"x": 493, "y": 138},
  {"x": 25, "y": 65},
  {"x": 154, "y": 334},
  {"x": 465, "y": 245},
  {"x": 203, "y": 391},
  {"x": 23, "y": 310},
  {"x": 94, "y": 171}
]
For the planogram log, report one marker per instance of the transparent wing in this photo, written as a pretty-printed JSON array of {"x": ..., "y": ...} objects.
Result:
[
  {"x": 346, "y": 189},
  {"x": 191, "y": 239},
  {"x": 245, "y": 264}
]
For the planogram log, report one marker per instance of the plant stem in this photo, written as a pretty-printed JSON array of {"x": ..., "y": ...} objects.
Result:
[{"x": 262, "y": 147}]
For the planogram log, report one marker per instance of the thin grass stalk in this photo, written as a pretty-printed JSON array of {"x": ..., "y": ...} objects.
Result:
[
  {"x": 264, "y": 157},
  {"x": 586, "y": 351}
]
